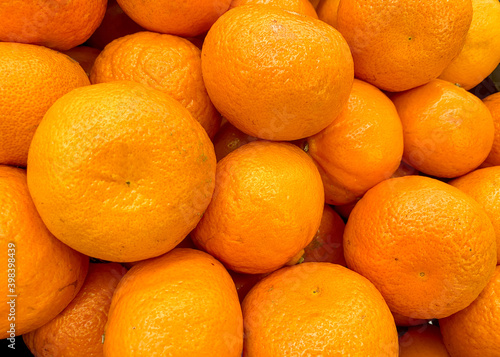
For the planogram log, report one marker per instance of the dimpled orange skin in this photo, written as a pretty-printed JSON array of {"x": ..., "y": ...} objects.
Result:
[
  {"x": 448, "y": 131},
  {"x": 183, "y": 303},
  {"x": 267, "y": 206},
  {"x": 274, "y": 74},
  {"x": 473, "y": 331},
  {"x": 398, "y": 45},
  {"x": 77, "y": 331},
  {"x": 493, "y": 103},
  {"x": 165, "y": 62},
  {"x": 317, "y": 309},
  {"x": 422, "y": 341},
  {"x": 177, "y": 17},
  {"x": 48, "y": 274},
  {"x": 303, "y": 7},
  {"x": 60, "y": 25},
  {"x": 33, "y": 77},
  {"x": 362, "y": 146},
  {"x": 120, "y": 171},
  {"x": 483, "y": 185},
  {"x": 428, "y": 247}
]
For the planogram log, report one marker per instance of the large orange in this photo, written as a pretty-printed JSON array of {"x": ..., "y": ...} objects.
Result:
[
  {"x": 41, "y": 274},
  {"x": 493, "y": 103},
  {"x": 362, "y": 146},
  {"x": 177, "y": 17},
  {"x": 402, "y": 44},
  {"x": 33, "y": 77},
  {"x": 481, "y": 52},
  {"x": 274, "y": 74},
  {"x": 483, "y": 185},
  {"x": 428, "y": 247},
  {"x": 165, "y": 62},
  {"x": 422, "y": 341},
  {"x": 120, "y": 171},
  {"x": 267, "y": 206},
  {"x": 183, "y": 303},
  {"x": 303, "y": 7},
  {"x": 77, "y": 331},
  {"x": 473, "y": 331},
  {"x": 56, "y": 24},
  {"x": 447, "y": 130},
  {"x": 317, "y": 309}
]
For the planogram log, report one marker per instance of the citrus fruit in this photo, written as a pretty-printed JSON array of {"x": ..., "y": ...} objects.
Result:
[
  {"x": 183, "y": 303},
  {"x": 327, "y": 11},
  {"x": 403, "y": 44},
  {"x": 165, "y": 62},
  {"x": 274, "y": 74},
  {"x": 78, "y": 329},
  {"x": 267, "y": 207},
  {"x": 84, "y": 55},
  {"x": 317, "y": 309},
  {"x": 493, "y": 103},
  {"x": 120, "y": 171},
  {"x": 401, "y": 320},
  {"x": 428, "y": 247},
  {"x": 425, "y": 340},
  {"x": 447, "y": 130},
  {"x": 42, "y": 275},
  {"x": 303, "y": 7},
  {"x": 33, "y": 77}
]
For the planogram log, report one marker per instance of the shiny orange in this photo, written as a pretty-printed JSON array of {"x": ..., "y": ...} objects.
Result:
[
  {"x": 303, "y": 7},
  {"x": 419, "y": 341}
]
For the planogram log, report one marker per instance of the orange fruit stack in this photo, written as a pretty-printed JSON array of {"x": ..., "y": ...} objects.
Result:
[{"x": 237, "y": 191}]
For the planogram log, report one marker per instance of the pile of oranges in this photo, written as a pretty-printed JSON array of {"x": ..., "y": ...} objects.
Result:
[{"x": 257, "y": 178}]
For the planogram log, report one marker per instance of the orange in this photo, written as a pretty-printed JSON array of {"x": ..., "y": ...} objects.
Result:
[
  {"x": 274, "y": 74},
  {"x": 481, "y": 52},
  {"x": 428, "y": 247},
  {"x": 168, "y": 63},
  {"x": 228, "y": 139},
  {"x": 447, "y": 130},
  {"x": 327, "y": 11},
  {"x": 362, "y": 146},
  {"x": 401, "y": 320},
  {"x": 183, "y": 303},
  {"x": 267, "y": 207},
  {"x": 177, "y": 17},
  {"x": 425, "y": 340},
  {"x": 120, "y": 171},
  {"x": 326, "y": 245},
  {"x": 41, "y": 275},
  {"x": 303, "y": 7},
  {"x": 56, "y": 24},
  {"x": 493, "y": 103},
  {"x": 84, "y": 55},
  {"x": 317, "y": 309},
  {"x": 115, "y": 24},
  {"x": 473, "y": 331},
  {"x": 33, "y": 77},
  {"x": 78, "y": 329},
  {"x": 483, "y": 185},
  {"x": 314, "y": 3},
  {"x": 399, "y": 45}
]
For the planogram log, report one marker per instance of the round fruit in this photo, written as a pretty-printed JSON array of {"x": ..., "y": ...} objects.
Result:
[
  {"x": 493, "y": 103},
  {"x": 303, "y": 7},
  {"x": 419, "y": 341}
]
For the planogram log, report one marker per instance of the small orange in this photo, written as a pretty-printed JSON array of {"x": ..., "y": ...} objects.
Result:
[
  {"x": 228, "y": 139},
  {"x": 33, "y": 77},
  {"x": 493, "y": 103},
  {"x": 41, "y": 274},
  {"x": 183, "y": 303},
  {"x": 326, "y": 245},
  {"x": 327, "y": 11},
  {"x": 398, "y": 45},
  {"x": 483, "y": 185},
  {"x": 427, "y": 246},
  {"x": 481, "y": 52},
  {"x": 317, "y": 309},
  {"x": 420, "y": 341},
  {"x": 77, "y": 331},
  {"x": 165, "y": 62},
  {"x": 447, "y": 130},
  {"x": 56, "y": 24},
  {"x": 176, "y": 17},
  {"x": 84, "y": 55},
  {"x": 362, "y": 146},
  {"x": 473, "y": 331},
  {"x": 303, "y": 7},
  {"x": 274, "y": 74},
  {"x": 120, "y": 171},
  {"x": 266, "y": 207}
]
